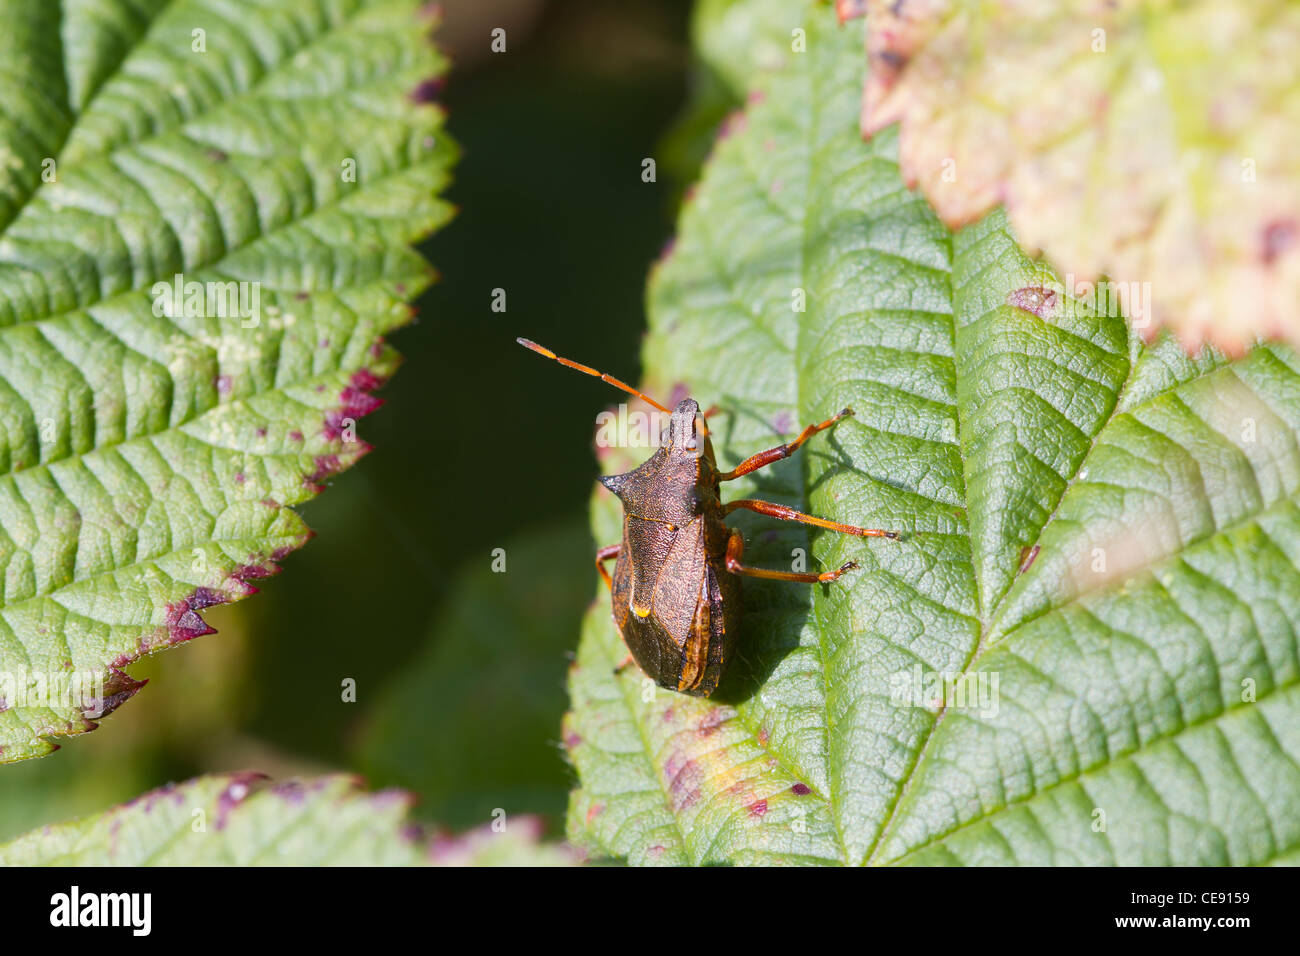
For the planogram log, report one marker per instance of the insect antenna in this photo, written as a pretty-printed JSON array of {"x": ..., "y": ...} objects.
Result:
[{"x": 588, "y": 370}]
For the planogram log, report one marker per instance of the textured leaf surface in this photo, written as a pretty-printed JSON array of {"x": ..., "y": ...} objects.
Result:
[
  {"x": 1084, "y": 649},
  {"x": 151, "y": 449},
  {"x": 240, "y": 820},
  {"x": 1154, "y": 142}
]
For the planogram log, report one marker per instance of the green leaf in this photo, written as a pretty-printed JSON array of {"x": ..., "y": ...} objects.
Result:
[
  {"x": 1084, "y": 647},
  {"x": 240, "y": 820},
  {"x": 735, "y": 42},
  {"x": 471, "y": 724},
  {"x": 1155, "y": 143},
  {"x": 152, "y": 449},
  {"x": 739, "y": 40}
]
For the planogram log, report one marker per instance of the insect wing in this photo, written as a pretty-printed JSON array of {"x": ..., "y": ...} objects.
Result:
[{"x": 681, "y": 576}]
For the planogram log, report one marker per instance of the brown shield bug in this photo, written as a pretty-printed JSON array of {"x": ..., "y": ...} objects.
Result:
[{"x": 676, "y": 588}]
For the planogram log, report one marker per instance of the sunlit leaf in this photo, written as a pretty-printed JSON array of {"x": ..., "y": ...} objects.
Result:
[
  {"x": 1083, "y": 649},
  {"x": 272, "y": 161},
  {"x": 242, "y": 820},
  {"x": 1155, "y": 143}
]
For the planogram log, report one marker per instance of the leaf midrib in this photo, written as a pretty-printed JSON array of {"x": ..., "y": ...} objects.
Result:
[
  {"x": 983, "y": 645},
  {"x": 988, "y": 621},
  {"x": 199, "y": 412}
]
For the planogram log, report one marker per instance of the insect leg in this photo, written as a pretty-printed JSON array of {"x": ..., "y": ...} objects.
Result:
[
  {"x": 607, "y": 553},
  {"x": 789, "y": 514},
  {"x": 765, "y": 458},
  {"x": 736, "y": 548}
]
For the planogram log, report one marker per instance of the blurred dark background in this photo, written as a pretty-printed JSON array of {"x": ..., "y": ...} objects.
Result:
[{"x": 459, "y": 670}]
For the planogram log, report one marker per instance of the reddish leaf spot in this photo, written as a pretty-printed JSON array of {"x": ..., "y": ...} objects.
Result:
[
  {"x": 1037, "y": 300},
  {"x": 758, "y": 808},
  {"x": 365, "y": 380},
  {"x": 355, "y": 401},
  {"x": 183, "y": 620},
  {"x": 801, "y": 789},
  {"x": 764, "y": 735},
  {"x": 206, "y": 597},
  {"x": 1279, "y": 236},
  {"x": 326, "y": 465},
  {"x": 848, "y": 10},
  {"x": 118, "y": 688},
  {"x": 426, "y": 91},
  {"x": 891, "y": 60},
  {"x": 711, "y": 721},
  {"x": 684, "y": 781},
  {"x": 245, "y": 571},
  {"x": 147, "y": 801},
  {"x": 240, "y": 786},
  {"x": 733, "y": 123},
  {"x": 282, "y": 552}
]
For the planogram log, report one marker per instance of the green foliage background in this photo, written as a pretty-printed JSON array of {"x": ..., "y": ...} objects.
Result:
[
  {"x": 1147, "y": 709},
  {"x": 1101, "y": 539},
  {"x": 399, "y": 541}
]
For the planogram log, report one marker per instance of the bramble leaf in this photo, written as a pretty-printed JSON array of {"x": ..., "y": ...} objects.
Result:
[
  {"x": 241, "y": 820},
  {"x": 734, "y": 41},
  {"x": 1154, "y": 143},
  {"x": 740, "y": 39},
  {"x": 1084, "y": 647},
  {"x": 206, "y": 214}
]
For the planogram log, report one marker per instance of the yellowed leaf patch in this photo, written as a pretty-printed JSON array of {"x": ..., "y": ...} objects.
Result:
[{"x": 1154, "y": 143}]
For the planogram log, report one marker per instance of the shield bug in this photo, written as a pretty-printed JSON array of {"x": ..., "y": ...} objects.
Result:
[{"x": 676, "y": 583}]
